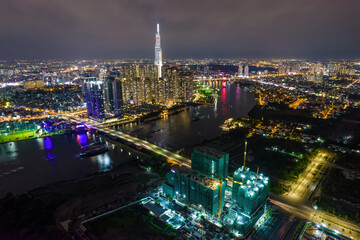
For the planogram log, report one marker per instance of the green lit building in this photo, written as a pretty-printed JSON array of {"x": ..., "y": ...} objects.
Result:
[
  {"x": 193, "y": 187},
  {"x": 210, "y": 162},
  {"x": 250, "y": 190},
  {"x": 249, "y": 193}
]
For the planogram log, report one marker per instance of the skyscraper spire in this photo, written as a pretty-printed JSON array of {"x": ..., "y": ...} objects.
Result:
[{"x": 158, "y": 51}]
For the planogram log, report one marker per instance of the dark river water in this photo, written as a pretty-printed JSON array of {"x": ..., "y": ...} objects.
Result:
[
  {"x": 181, "y": 131},
  {"x": 32, "y": 163}
]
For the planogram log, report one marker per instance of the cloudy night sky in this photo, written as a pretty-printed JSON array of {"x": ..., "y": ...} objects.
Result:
[{"x": 68, "y": 29}]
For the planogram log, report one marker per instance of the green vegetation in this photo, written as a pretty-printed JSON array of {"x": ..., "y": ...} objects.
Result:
[
  {"x": 279, "y": 188},
  {"x": 19, "y": 136},
  {"x": 276, "y": 164},
  {"x": 339, "y": 196},
  {"x": 158, "y": 164},
  {"x": 135, "y": 221},
  {"x": 205, "y": 94},
  {"x": 32, "y": 214},
  {"x": 350, "y": 161},
  {"x": 26, "y": 216},
  {"x": 283, "y": 113},
  {"x": 12, "y": 137}
]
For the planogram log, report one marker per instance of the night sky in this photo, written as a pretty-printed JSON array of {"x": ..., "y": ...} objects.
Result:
[{"x": 69, "y": 29}]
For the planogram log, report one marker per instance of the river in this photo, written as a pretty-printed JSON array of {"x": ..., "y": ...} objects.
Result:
[
  {"x": 32, "y": 163},
  {"x": 180, "y": 131}
]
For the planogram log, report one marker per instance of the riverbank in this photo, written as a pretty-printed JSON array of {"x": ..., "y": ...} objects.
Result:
[
  {"x": 160, "y": 114},
  {"x": 55, "y": 207},
  {"x": 165, "y": 113}
]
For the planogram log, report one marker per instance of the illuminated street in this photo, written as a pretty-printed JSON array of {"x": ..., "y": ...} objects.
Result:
[
  {"x": 307, "y": 184},
  {"x": 138, "y": 142},
  {"x": 180, "y": 120}
]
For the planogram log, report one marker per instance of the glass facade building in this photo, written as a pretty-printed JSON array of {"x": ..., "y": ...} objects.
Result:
[
  {"x": 206, "y": 182},
  {"x": 250, "y": 190},
  {"x": 210, "y": 162},
  {"x": 193, "y": 187},
  {"x": 113, "y": 96},
  {"x": 94, "y": 93}
]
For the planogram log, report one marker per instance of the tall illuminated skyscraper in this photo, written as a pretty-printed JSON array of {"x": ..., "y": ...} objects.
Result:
[
  {"x": 94, "y": 92},
  {"x": 158, "y": 51},
  {"x": 113, "y": 95}
]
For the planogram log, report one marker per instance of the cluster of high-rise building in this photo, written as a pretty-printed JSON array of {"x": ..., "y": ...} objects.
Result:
[
  {"x": 289, "y": 69},
  {"x": 243, "y": 71},
  {"x": 32, "y": 84},
  {"x": 316, "y": 70},
  {"x": 205, "y": 184},
  {"x": 139, "y": 85}
]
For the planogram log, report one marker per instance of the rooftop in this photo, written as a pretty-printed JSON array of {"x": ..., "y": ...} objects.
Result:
[
  {"x": 251, "y": 180},
  {"x": 200, "y": 178},
  {"x": 210, "y": 151}
]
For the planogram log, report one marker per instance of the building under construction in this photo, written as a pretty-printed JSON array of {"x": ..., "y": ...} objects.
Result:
[
  {"x": 249, "y": 193},
  {"x": 210, "y": 161},
  {"x": 205, "y": 185},
  {"x": 249, "y": 190},
  {"x": 193, "y": 187}
]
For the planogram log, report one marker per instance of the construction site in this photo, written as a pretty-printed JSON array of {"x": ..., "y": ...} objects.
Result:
[
  {"x": 200, "y": 202},
  {"x": 235, "y": 204}
]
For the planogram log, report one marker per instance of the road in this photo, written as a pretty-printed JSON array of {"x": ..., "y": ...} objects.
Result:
[
  {"x": 304, "y": 211},
  {"x": 297, "y": 204},
  {"x": 306, "y": 184},
  {"x": 138, "y": 142}
]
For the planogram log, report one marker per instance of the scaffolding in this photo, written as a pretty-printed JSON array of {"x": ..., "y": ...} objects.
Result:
[
  {"x": 194, "y": 187},
  {"x": 210, "y": 162},
  {"x": 250, "y": 190}
]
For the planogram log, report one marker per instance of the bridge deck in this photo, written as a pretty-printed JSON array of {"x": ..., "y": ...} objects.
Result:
[{"x": 138, "y": 142}]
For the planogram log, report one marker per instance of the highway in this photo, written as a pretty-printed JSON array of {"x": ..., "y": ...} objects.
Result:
[
  {"x": 138, "y": 142},
  {"x": 305, "y": 185},
  {"x": 297, "y": 204},
  {"x": 304, "y": 210}
]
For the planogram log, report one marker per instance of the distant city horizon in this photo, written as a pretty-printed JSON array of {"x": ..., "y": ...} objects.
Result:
[
  {"x": 165, "y": 60},
  {"x": 161, "y": 119},
  {"x": 282, "y": 29}
]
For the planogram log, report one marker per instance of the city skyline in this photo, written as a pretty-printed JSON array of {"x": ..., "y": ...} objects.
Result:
[
  {"x": 217, "y": 129},
  {"x": 64, "y": 30}
]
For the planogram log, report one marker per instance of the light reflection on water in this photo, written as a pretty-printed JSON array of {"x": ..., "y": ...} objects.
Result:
[
  {"x": 82, "y": 139},
  {"x": 44, "y": 160},
  {"x": 48, "y": 143},
  {"x": 10, "y": 150},
  {"x": 48, "y": 146},
  {"x": 180, "y": 131},
  {"x": 40, "y": 142},
  {"x": 32, "y": 163},
  {"x": 104, "y": 162}
]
